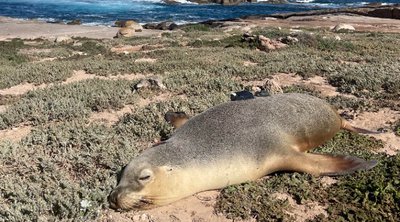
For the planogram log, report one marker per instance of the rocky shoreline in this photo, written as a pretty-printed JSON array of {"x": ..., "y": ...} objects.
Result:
[
  {"x": 16, "y": 28},
  {"x": 377, "y": 11},
  {"x": 229, "y": 2}
]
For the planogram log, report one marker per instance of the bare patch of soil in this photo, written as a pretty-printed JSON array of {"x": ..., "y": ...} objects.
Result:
[
  {"x": 327, "y": 181},
  {"x": 110, "y": 116},
  {"x": 126, "y": 49},
  {"x": 249, "y": 63},
  {"x": 383, "y": 119},
  {"x": 302, "y": 212},
  {"x": 3, "y": 108},
  {"x": 201, "y": 209},
  {"x": 15, "y": 134},
  {"x": 20, "y": 89},
  {"x": 76, "y": 77},
  {"x": 33, "y": 51},
  {"x": 149, "y": 60},
  {"x": 159, "y": 98},
  {"x": 318, "y": 83}
]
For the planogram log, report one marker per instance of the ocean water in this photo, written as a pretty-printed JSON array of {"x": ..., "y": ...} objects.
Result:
[{"x": 105, "y": 12}]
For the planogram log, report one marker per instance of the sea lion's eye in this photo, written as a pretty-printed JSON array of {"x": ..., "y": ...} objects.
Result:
[
  {"x": 145, "y": 175},
  {"x": 144, "y": 178}
]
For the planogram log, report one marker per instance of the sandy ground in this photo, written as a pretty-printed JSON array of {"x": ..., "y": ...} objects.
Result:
[
  {"x": 199, "y": 207},
  {"x": 31, "y": 29}
]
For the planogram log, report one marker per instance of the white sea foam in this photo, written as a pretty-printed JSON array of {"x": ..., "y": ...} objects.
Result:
[
  {"x": 303, "y": 1},
  {"x": 185, "y": 2}
]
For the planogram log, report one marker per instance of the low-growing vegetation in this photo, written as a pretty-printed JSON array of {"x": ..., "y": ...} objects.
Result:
[{"x": 65, "y": 168}]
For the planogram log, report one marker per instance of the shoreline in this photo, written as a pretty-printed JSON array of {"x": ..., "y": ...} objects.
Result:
[
  {"x": 384, "y": 18},
  {"x": 11, "y": 28}
]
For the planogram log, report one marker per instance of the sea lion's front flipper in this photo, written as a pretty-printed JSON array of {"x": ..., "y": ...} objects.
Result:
[
  {"x": 329, "y": 165},
  {"x": 347, "y": 126},
  {"x": 176, "y": 119}
]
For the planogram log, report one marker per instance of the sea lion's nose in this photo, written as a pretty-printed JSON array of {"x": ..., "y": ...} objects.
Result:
[{"x": 113, "y": 199}]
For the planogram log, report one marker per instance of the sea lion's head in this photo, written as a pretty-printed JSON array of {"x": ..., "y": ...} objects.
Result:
[{"x": 142, "y": 186}]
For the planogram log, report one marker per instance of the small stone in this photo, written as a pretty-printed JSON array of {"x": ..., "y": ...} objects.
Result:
[
  {"x": 144, "y": 83},
  {"x": 149, "y": 82},
  {"x": 337, "y": 38},
  {"x": 343, "y": 28},
  {"x": 75, "y": 22},
  {"x": 125, "y": 32},
  {"x": 272, "y": 87},
  {"x": 64, "y": 39},
  {"x": 288, "y": 40},
  {"x": 267, "y": 44},
  {"x": 129, "y": 24},
  {"x": 156, "y": 81}
]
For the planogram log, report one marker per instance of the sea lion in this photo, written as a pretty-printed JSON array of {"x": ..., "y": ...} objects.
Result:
[{"x": 235, "y": 142}]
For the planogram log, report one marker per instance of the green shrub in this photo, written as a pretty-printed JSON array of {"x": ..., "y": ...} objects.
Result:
[
  {"x": 9, "y": 52},
  {"x": 196, "y": 28},
  {"x": 68, "y": 102}
]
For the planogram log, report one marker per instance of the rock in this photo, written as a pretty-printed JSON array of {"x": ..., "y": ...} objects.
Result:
[
  {"x": 288, "y": 40},
  {"x": 247, "y": 37},
  {"x": 272, "y": 87},
  {"x": 161, "y": 26},
  {"x": 396, "y": 13},
  {"x": 125, "y": 32},
  {"x": 337, "y": 38},
  {"x": 269, "y": 88},
  {"x": 171, "y": 2},
  {"x": 267, "y": 44},
  {"x": 167, "y": 26},
  {"x": 75, "y": 22},
  {"x": 156, "y": 81},
  {"x": 231, "y": 2},
  {"x": 275, "y": 2},
  {"x": 129, "y": 24},
  {"x": 392, "y": 13},
  {"x": 201, "y": 1},
  {"x": 150, "y": 82},
  {"x": 343, "y": 28},
  {"x": 144, "y": 83},
  {"x": 150, "y": 26},
  {"x": 126, "y": 49},
  {"x": 64, "y": 39}
]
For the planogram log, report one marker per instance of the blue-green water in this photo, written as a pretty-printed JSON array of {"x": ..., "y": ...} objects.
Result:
[{"x": 105, "y": 12}]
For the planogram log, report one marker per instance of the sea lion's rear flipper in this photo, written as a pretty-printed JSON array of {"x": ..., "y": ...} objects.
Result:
[
  {"x": 176, "y": 119},
  {"x": 347, "y": 126},
  {"x": 329, "y": 165}
]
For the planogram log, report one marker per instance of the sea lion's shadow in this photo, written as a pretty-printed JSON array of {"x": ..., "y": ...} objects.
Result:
[{"x": 119, "y": 174}]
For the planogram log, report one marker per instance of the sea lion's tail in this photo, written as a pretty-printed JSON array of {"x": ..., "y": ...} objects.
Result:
[{"x": 347, "y": 126}]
